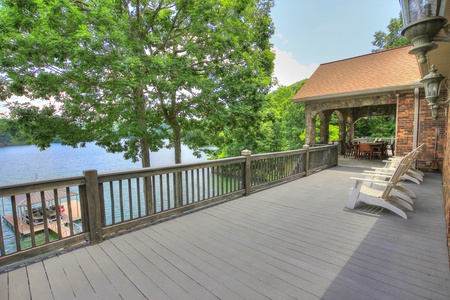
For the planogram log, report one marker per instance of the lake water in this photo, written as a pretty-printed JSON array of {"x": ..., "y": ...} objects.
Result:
[{"x": 28, "y": 163}]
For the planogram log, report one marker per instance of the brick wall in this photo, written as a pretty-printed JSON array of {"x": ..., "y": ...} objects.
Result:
[{"x": 431, "y": 132}]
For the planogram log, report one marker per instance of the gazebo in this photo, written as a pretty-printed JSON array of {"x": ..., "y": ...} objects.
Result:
[{"x": 380, "y": 83}]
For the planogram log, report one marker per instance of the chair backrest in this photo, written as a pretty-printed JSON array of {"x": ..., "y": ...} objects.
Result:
[
  {"x": 399, "y": 171},
  {"x": 364, "y": 147}
]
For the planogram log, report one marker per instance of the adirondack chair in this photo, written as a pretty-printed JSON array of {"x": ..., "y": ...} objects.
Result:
[
  {"x": 364, "y": 192},
  {"x": 411, "y": 174},
  {"x": 385, "y": 173},
  {"x": 397, "y": 189}
]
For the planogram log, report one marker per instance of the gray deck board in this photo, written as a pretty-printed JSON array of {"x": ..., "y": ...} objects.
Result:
[
  {"x": 4, "y": 285},
  {"x": 97, "y": 279},
  {"x": 18, "y": 284},
  {"x": 211, "y": 284},
  {"x": 293, "y": 241},
  {"x": 147, "y": 287},
  {"x": 58, "y": 281},
  {"x": 184, "y": 281},
  {"x": 39, "y": 285},
  {"x": 122, "y": 284}
]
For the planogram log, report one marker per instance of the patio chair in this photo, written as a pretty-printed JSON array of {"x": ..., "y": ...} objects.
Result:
[
  {"x": 412, "y": 174},
  {"x": 364, "y": 192},
  {"x": 365, "y": 149},
  {"x": 379, "y": 150},
  {"x": 391, "y": 147},
  {"x": 349, "y": 150},
  {"x": 386, "y": 172}
]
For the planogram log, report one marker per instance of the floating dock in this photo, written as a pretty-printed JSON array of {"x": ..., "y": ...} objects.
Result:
[{"x": 25, "y": 230}]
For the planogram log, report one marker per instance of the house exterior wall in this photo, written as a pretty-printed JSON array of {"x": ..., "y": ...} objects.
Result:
[
  {"x": 430, "y": 132},
  {"x": 446, "y": 177}
]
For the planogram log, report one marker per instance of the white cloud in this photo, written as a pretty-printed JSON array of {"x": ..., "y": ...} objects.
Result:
[{"x": 288, "y": 70}]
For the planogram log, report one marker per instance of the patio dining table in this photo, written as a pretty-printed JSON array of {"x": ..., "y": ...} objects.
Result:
[{"x": 361, "y": 149}]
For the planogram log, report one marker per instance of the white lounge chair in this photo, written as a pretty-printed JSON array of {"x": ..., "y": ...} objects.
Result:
[{"x": 385, "y": 197}]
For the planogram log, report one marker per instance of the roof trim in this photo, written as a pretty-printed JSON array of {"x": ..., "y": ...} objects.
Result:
[{"x": 359, "y": 93}]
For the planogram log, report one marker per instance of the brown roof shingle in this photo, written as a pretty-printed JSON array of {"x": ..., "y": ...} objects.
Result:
[{"x": 375, "y": 71}]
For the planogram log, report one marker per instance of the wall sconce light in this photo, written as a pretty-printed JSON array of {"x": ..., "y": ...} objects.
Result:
[
  {"x": 423, "y": 19},
  {"x": 432, "y": 84}
]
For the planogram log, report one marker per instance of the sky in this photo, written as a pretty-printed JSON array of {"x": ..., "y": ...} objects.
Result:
[{"x": 312, "y": 32}]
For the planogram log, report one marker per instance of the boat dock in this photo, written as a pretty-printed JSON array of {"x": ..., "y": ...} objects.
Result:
[{"x": 24, "y": 227}]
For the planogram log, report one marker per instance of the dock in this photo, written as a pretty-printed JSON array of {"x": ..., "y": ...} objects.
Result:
[{"x": 25, "y": 229}]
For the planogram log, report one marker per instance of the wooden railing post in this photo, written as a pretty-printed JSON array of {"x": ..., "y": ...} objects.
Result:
[
  {"x": 93, "y": 207},
  {"x": 306, "y": 147},
  {"x": 177, "y": 188},
  {"x": 148, "y": 192},
  {"x": 247, "y": 175}
]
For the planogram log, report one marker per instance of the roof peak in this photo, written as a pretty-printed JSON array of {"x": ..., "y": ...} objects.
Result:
[{"x": 367, "y": 54}]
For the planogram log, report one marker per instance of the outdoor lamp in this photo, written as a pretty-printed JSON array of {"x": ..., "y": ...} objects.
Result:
[
  {"x": 423, "y": 19},
  {"x": 432, "y": 85}
]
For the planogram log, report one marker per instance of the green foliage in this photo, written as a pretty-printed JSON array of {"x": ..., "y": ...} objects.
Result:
[
  {"x": 333, "y": 132},
  {"x": 276, "y": 126},
  {"x": 392, "y": 39},
  {"x": 10, "y": 135},
  {"x": 375, "y": 127},
  {"x": 115, "y": 71}
]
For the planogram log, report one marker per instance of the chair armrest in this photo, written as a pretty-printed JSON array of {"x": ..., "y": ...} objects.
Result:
[
  {"x": 377, "y": 173},
  {"x": 371, "y": 180},
  {"x": 387, "y": 175}
]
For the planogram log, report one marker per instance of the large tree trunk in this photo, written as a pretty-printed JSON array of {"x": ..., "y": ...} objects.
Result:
[
  {"x": 145, "y": 150},
  {"x": 176, "y": 139},
  {"x": 142, "y": 125},
  {"x": 177, "y": 144}
]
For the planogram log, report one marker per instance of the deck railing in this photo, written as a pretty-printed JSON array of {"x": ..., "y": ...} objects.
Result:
[{"x": 60, "y": 213}]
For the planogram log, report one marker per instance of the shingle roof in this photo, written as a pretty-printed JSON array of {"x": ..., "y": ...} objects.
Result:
[{"x": 375, "y": 71}]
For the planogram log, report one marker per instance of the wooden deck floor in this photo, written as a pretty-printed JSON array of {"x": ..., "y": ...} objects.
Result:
[{"x": 294, "y": 241}]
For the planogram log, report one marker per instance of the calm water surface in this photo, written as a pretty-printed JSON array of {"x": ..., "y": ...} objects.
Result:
[{"x": 28, "y": 163}]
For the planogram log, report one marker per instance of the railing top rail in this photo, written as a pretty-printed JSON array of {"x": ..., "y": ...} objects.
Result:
[
  {"x": 40, "y": 185},
  {"x": 127, "y": 174},
  {"x": 318, "y": 148},
  {"x": 277, "y": 154}
]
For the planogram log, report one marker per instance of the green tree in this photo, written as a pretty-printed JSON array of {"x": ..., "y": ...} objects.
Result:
[
  {"x": 291, "y": 115},
  {"x": 277, "y": 126},
  {"x": 391, "y": 39},
  {"x": 116, "y": 71},
  {"x": 382, "y": 126},
  {"x": 10, "y": 134}
]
